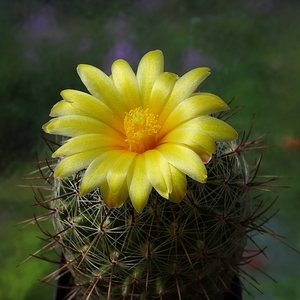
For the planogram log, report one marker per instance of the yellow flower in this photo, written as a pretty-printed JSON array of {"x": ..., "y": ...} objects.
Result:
[{"x": 135, "y": 132}]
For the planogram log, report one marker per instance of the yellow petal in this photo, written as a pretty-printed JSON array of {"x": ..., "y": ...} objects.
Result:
[
  {"x": 112, "y": 199},
  {"x": 183, "y": 88},
  {"x": 161, "y": 90},
  {"x": 200, "y": 104},
  {"x": 74, "y": 163},
  {"x": 217, "y": 129},
  {"x": 76, "y": 125},
  {"x": 179, "y": 183},
  {"x": 93, "y": 107},
  {"x": 185, "y": 160},
  {"x": 118, "y": 172},
  {"x": 158, "y": 172},
  {"x": 198, "y": 140},
  {"x": 209, "y": 103},
  {"x": 126, "y": 82},
  {"x": 139, "y": 186},
  {"x": 150, "y": 66},
  {"x": 64, "y": 108},
  {"x": 97, "y": 171},
  {"x": 102, "y": 87},
  {"x": 87, "y": 142}
]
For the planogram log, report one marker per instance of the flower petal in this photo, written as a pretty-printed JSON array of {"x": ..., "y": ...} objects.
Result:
[
  {"x": 117, "y": 173},
  {"x": 179, "y": 183},
  {"x": 102, "y": 87},
  {"x": 192, "y": 107},
  {"x": 209, "y": 103},
  {"x": 183, "y": 88},
  {"x": 150, "y": 66},
  {"x": 161, "y": 90},
  {"x": 158, "y": 172},
  {"x": 64, "y": 108},
  {"x": 87, "y": 142},
  {"x": 71, "y": 164},
  {"x": 97, "y": 171},
  {"x": 76, "y": 125},
  {"x": 93, "y": 107},
  {"x": 196, "y": 139},
  {"x": 112, "y": 199},
  {"x": 138, "y": 183},
  {"x": 126, "y": 82},
  {"x": 185, "y": 160},
  {"x": 217, "y": 129},
  {"x": 137, "y": 132}
]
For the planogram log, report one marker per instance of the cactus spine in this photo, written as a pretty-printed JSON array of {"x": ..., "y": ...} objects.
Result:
[{"x": 187, "y": 250}]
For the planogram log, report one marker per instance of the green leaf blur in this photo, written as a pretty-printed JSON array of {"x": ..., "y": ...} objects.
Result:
[{"x": 252, "y": 48}]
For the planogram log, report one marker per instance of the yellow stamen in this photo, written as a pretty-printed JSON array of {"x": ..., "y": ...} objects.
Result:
[{"x": 140, "y": 128}]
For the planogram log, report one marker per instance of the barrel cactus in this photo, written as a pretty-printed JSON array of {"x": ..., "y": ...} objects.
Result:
[{"x": 151, "y": 194}]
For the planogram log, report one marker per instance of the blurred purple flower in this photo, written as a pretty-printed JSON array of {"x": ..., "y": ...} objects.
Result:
[
  {"x": 39, "y": 26},
  {"x": 192, "y": 59},
  {"x": 124, "y": 50},
  {"x": 42, "y": 24},
  {"x": 146, "y": 5},
  {"x": 84, "y": 45},
  {"x": 31, "y": 56},
  {"x": 118, "y": 28},
  {"x": 260, "y": 5}
]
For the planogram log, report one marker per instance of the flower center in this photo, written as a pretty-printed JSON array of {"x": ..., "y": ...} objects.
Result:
[{"x": 140, "y": 128}]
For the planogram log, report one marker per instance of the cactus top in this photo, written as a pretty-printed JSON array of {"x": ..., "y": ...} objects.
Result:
[{"x": 135, "y": 132}]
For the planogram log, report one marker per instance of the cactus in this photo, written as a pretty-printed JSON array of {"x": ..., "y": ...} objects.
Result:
[
  {"x": 187, "y": 250},
  {"x": 170, "y": 250},
  {"x": 144, "y": 246}
]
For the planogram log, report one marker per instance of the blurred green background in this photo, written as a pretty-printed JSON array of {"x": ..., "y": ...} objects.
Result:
[{"x": 253, "y": 50}]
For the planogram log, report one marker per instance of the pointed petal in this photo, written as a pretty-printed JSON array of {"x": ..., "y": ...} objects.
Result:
[
  {"x": 185, "y": 160},
  {"x": 97, "y": 171},
  {"x": 183, "y": 88},
  {"x": 217, "y": 129},
  {"x": 64, "y": 108},
  {"x": 179, "y": 183},
  {"x": 126, "y": 82},
  {"x": 209, "y": 103},
  {"x": 158, "y": 172},
  {"x": 192, "y": 107},
  {"x": 76, "y": 125},
  {"x": 71, "y": 164},
  {"x": 118, "y": 172},
  {"x": 112, "y": 199},
  {"x": 102, "y": 87},
  {"x": 87, "y": 142},
  {"x": 198, "y": 140},
  {"x": 93, "y": 107},
  {"x": 150, "y": 66},
  {"x": 161, "y": 90},
  {"x": 139, "y": 186}
]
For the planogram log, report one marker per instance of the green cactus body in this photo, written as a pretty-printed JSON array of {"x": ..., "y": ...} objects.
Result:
[{"x": 186, "y": 250}]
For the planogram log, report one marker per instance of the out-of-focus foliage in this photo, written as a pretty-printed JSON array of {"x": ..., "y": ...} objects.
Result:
[{"x": 252, "y": 47}]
